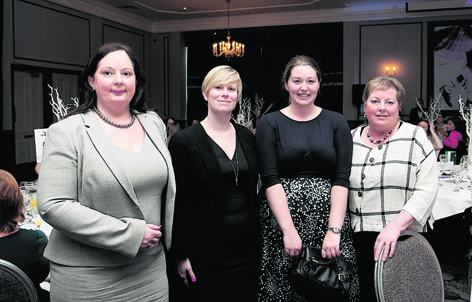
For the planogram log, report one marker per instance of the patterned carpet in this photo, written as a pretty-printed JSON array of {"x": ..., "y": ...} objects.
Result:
[{"x": 457, "y": 289}]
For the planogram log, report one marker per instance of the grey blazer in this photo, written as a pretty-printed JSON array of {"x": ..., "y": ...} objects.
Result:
[{"x": 84, "y": 193}]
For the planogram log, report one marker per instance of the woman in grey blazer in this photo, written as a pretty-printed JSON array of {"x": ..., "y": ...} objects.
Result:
[{"x": 107, "y": 187}]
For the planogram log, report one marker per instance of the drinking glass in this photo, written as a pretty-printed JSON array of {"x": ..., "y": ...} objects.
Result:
[
  {"x": 442, "y": 162},
  {"x": 457, "y": 173},
  {"x": 468, "y": 174}
]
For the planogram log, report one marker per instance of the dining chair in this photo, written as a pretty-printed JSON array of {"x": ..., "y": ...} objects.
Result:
[
  {"x": 412, "y": 274},
  {"x": 15, "y": 285}
]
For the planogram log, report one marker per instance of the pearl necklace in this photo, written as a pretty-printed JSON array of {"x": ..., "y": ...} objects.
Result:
[
  {"x": 133, "y": 117},
  {"x": 380, "y": 140}
]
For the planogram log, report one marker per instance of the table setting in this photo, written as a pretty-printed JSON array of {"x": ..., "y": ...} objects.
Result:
[
  {"x": 454, "y": 189},
  {"x": 33, "y": 220}
]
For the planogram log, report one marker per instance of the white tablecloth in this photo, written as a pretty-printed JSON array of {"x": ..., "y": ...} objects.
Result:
[
  {"x": 45, "y": 227},
  {"x": 448, "y": 202}
]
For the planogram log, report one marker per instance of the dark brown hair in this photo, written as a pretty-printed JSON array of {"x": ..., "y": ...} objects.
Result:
[
  {"x": 88, "y": 97},
  {"x": 11, "y": 203}
]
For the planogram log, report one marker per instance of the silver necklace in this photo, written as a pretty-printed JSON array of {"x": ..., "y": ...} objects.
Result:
[
  {"x": 380, "y": 140},
  {"x": 236, "y": 171},
  {"x": 133, "y": 117}
]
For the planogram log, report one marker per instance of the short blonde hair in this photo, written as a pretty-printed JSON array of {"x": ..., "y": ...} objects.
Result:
[
  {"x": 221, "y": 75},
  {"x": 384, "y": 83}
]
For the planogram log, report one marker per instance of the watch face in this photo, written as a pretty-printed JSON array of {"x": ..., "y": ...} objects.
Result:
[{"x": 335, "y": 230}]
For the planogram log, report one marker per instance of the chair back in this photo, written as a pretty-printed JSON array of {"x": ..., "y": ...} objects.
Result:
[
  {"x": 15, "y": 285},
  {"x": 412, "y": 274}
]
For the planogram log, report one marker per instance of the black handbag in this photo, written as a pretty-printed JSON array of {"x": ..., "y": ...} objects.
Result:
[{"x": 313, "y": 276}]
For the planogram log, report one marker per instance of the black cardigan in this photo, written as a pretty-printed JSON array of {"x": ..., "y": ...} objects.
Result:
[{"x": 198, "y": 220}]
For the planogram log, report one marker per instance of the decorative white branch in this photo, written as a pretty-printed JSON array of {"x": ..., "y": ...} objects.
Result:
[
  {"x": 59, "y": 108},
  {"x": 466, "y": 112},
  {"x": 435, "y": 107},
  {"x": 246, "y": 113}
]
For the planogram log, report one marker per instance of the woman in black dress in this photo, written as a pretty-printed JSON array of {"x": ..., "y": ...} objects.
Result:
[
  {"x": 305, "y": 161},
  {"x": 215, "y": 237}
]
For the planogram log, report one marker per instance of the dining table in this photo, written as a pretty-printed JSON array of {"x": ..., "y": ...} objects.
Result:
[{"x": 450, "y": 202}]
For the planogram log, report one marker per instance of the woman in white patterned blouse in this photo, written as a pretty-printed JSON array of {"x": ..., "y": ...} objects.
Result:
[{"x": 393, "y": 180}]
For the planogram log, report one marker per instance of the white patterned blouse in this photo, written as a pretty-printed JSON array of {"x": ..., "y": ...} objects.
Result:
[{"x": 399, "y": 174}]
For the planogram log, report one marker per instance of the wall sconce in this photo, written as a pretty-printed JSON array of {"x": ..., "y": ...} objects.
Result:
[{"x": 394, "y": 71}]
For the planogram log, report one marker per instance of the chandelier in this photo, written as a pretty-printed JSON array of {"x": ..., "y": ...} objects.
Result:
[{"x": 228, "y": 48}]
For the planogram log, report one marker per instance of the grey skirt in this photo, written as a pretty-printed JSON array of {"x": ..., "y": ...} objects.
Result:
[{"x": 145, "y": 280}]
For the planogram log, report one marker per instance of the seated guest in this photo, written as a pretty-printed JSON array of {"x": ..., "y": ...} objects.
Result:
[
  {"x": 441, "y": 126},
  {"x": 24, "y": 248},
  {"x": 456, "y": 138},
  {"x": 171, "y": 130},
  {"x": 432, "y": 135}
]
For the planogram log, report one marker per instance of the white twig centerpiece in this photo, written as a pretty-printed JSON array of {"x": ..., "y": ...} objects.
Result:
[
  {"x": 59, "y": 108},
  {"x": 435, "y": 107},
  {"x": 247, "y": 112},
  {"x": 466, "y": 112}
]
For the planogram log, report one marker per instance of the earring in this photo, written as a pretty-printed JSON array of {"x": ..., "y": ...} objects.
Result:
[
  {"x": 398, "y": 118},
  {"x": 365, "y": 116}
]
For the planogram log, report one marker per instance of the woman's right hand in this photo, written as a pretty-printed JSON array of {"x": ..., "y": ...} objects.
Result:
[
  {"x": 292, "y": 243},
  {"x": 184, "y": 266}
]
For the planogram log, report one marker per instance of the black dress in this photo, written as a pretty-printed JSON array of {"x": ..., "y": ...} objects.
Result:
[
  {"x": 307, "y": 158},
  {"x": 236, "y": 278}
]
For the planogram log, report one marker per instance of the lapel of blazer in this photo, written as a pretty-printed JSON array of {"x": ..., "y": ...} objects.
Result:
[
  {"x": 105, "y": 149},
  {"x": 209, "y": 156}
]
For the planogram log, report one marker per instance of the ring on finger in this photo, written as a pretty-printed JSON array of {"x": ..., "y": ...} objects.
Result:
[
  {"x": 151, "y": 246},
  {"x": 387, "y": 245}
]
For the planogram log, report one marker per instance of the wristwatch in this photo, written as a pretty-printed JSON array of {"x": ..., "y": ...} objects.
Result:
[{"x": 335, "y": 230}]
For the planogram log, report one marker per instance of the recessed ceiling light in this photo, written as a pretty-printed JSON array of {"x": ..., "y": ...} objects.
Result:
[{"x": 185, "y": 8}]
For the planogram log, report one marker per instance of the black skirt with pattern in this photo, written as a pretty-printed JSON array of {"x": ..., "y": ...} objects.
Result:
[{"x": 309, "y": 204}]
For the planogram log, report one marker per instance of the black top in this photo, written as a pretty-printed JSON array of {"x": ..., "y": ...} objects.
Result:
[
  {"x": 25, "y": 249},
  {"x": 321, "y": 147},
  {"x": 199, "y": 203}
]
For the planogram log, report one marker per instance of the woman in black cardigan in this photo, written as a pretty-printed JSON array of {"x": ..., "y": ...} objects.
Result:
[{"x": 216, "y": 230}]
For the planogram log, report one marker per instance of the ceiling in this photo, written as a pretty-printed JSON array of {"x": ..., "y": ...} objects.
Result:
[{"x": 195, "y": 14}]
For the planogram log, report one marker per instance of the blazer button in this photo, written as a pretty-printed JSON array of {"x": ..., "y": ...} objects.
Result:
[
  {"x": 359, "y": 194},
  {"x": 357, "y": 211},
  {"x": 362, "y": 176},
  {"x": 371, "y": 159},
  {"x": 380, "y": 147}
]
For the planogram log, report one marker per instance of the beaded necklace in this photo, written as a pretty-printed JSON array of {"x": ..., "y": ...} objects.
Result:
[{"x": 133, "y": 117}]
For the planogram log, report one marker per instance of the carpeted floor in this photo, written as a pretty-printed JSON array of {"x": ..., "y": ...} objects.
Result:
[{"x": 457, "y": 289}]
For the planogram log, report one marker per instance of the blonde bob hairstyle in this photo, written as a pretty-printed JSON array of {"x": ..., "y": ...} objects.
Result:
[
  {"x": 222, "y": 75},
  {"x": 384, "y": 83}
]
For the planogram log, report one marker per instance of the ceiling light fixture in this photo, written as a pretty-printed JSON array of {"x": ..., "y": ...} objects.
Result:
[{"x": 228, "y": 48}]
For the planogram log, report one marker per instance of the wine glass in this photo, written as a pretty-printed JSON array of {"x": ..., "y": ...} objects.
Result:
[
  {"x": 457, "y": 173},
  {"x": 468, "y": 174},
  {"x": 465, "y": 161},
  {"x": 442, "y": 162}
]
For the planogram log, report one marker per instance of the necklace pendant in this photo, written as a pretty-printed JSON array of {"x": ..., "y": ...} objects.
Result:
[{"x": 236, "y": 182}]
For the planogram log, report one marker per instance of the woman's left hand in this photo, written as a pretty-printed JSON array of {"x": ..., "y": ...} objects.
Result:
[
  {"x": 331, "y": 245},
  {"x": 387, "y": 238},
  {"x": 152, "y": 235}
]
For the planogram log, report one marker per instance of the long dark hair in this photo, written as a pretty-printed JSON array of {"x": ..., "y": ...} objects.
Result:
[
  {"x": 460, "y": 127},
  {"x": 88, "y": 97}
]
